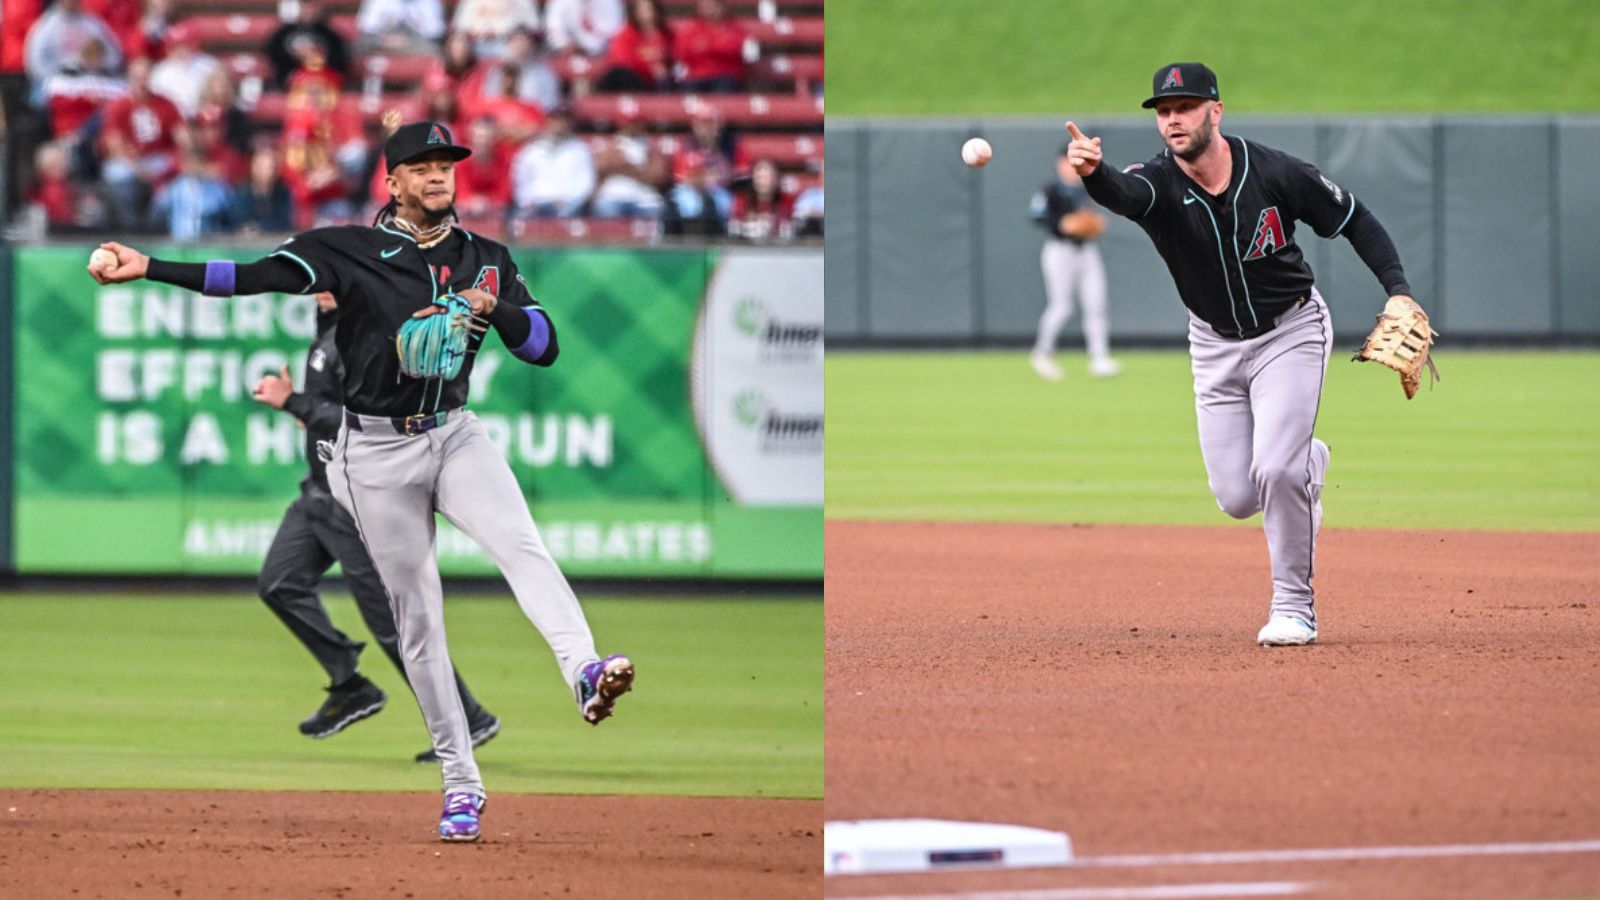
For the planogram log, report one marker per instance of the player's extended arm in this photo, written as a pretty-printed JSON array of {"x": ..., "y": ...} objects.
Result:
[
  {"x": 527, "y": 332},
  {"x": 1129, "y": 196},
  {"x": 218, "y": 278},
  {"x": 1372, "y": 243}
]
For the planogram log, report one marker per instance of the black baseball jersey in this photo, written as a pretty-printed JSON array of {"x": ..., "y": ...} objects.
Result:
[
  {"x": 380, "y": 277},
  {"x": 1055, "y": 200},
  {"x": 1233, "y": 255},
  {"x": 319, "y": 403}
]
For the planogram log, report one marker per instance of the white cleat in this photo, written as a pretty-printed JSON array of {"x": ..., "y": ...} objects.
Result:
[
  {"x": 1105, "y": 368},
  {"x": 1045, "y": 366},
  {"x": 1286, "y": 631}
]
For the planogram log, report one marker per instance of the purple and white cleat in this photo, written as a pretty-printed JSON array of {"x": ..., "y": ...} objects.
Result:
[
  {"x": 459, "y": 821},
  {"x": 600, "y": 684}
]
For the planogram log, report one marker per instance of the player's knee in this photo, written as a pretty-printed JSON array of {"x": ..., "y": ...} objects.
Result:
[
  {"x": 1237, "y": 500},
  {"x": 1269, "y": 477}
]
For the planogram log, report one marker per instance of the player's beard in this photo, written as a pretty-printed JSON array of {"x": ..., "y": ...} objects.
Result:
[{"x": 1199, "y": 140}]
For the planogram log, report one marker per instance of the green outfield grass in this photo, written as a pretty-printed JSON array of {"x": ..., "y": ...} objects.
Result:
[
  {"x": 205, "y": 692},
  {"x": 1505, "y": 441},
  {"x": 1082, "y": 57}
]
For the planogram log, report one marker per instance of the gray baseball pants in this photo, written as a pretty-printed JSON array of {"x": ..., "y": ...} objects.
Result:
[
  {"x": 1070, "y": 269},
  {"x": 1256, "y": 402},
  {"x": 392, "y": 484}
]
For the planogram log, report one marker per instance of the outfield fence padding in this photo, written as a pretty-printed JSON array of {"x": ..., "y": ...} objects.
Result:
[{"x": 1496, "y": 220}]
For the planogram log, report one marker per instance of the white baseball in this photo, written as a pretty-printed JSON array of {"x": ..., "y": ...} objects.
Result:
[
  {"x": 102, "y": 260},
  {"x": 977, "y": 153}
]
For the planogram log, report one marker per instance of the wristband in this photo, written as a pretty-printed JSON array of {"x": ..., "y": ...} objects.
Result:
[{"x": 220, "y": 274}]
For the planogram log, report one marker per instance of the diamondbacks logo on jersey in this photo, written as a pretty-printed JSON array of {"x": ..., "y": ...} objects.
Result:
[
  {"x": 1174, "y": 79},
  {"x": 1269, "y": 235},
  {"x": 488, "y": 280}
]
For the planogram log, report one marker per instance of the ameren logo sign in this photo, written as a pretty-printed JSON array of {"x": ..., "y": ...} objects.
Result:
[
  {"x": 779, "y": 340},
  {"x": 779, "y": 432}
]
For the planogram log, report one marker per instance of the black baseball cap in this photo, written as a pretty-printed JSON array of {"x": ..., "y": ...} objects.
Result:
[
  {"x": 416, "y": 138},
  {"x": 1183, "y": 79}
]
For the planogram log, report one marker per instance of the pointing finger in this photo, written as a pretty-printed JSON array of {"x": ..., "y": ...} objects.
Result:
[{"x": 1073, "y": 130}]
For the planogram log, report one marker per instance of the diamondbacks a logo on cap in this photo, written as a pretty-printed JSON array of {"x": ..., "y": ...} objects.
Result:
[
  {"x": 1269, "y": 235},
  {"x": 437, "y": 136},
  {"x": 1174, "y": 79}
]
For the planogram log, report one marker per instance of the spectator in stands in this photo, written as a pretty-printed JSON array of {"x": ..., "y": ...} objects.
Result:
[
  {"x": 308, "y": 30},
  {"x": 147, "y": 36},
  {"x": 709, "y": 146},
  {"x": 221, "y": 129},
  {"x": 554, "y": 173},
  {"x": 459, "y": 60},
  {"x": 139, "y": 142},
  {"x": 697, "y": 204},
  {"x": 75, "y": 94},
  {"x": 53, "y": 190},
  {"x": 194, "y": 204},
  {"x": 760, "y": 209},
  {"x": 121, "y": 16},
  {"x": 711, "y": 50},
  {"x": 487, "y": 24},
  {"x": 504, "y": 89},
  {"x": 640, "y": 56},
  {"x": 400, "y": 26},
  {"x": 316, "y": 183},
  {"x": 807, "y": 211},
  {"x": 182, "y": 75},
  {"x": 263, "y": 202},
  {"x": 313, "y": 68},
  {"x": 582, "y": 26},
  {"x": 483, "y": 180},
  {"x": 58, "y": 38},
  {"x": 632, "y": 174},
  {"x": 24, "y": 125}
]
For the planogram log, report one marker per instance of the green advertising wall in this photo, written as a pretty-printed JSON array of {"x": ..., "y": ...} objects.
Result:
[{"x": 137, "y": 448}]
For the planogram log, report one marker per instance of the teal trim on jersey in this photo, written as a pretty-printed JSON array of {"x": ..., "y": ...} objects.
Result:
[
  {"x": 307, "y": 266},
  {"x": 1346, "y": 217},
  {"x": 1152, "y": 194},
  {"x": 385, "y": 227},
  {"x": 1243, "y": 282},
  {"x": 1221, "y": 258}
]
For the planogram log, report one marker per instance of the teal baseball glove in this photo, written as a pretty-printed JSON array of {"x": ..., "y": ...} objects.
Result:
[{"x": 435, "y": 345}]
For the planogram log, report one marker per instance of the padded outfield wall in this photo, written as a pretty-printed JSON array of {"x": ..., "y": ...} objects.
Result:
[
  {"x": 1497, "y": 221},
  {"x": 678, "y": 435}
]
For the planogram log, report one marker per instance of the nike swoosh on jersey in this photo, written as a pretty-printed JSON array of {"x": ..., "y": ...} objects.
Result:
[
  {"x": 1189, "y": 200},
  {"x": 388, "y": 253}
]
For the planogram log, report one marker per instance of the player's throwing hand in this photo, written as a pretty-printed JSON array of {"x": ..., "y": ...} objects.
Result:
[
  {"x": 131, "y": 265},
  {"x": 1083, "y": 152}
]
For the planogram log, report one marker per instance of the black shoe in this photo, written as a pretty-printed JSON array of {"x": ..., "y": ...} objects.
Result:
[
  {"x": 480, "y": 736},
  {"x": 347, "y": 704}
]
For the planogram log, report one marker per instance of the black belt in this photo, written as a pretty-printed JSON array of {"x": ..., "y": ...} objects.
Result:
[
  {"x": 1249, "y": 333},
  {"x": 406, "y": 425}
]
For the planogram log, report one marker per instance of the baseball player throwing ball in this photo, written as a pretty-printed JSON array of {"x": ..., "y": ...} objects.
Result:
[
  {"x": 1222, "y": 212},
  {"x": 416, "y": 295}
]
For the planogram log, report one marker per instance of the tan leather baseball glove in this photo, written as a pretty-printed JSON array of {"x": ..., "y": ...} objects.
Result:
[
  {"x": 1084, "y": 224},
  {"x": 1401, "y": 341}
]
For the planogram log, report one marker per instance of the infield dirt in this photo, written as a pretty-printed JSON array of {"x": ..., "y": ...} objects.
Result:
[
  {"x": 197, "y": 844},
  {"x": 1104, "y": 681}
]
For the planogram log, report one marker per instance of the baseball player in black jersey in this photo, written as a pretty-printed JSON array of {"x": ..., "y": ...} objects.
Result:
[
  {"x": 316, "y": 532},
  {"x": 1072, "y": 266},
  {"x": 1222, "y": 212},
  {"x": 408, "y": 447}
]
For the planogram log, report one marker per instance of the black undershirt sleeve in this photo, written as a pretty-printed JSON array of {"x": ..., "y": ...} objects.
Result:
[
  {"x": 1128, "y": 196},
  {"x": 1372, "y": 243},
  {"x": 511, "y": 323},
  {"x": 273, "y": 273}
]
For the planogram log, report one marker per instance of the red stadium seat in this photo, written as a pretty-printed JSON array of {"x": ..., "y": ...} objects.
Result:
[
  {"x": 788, "y": 151},
  {"x": 787, "y": 69},
  {"x": 742, "y": 110},
  {"x": 270, "y": 108},
  {"x": 806, "y": 31},
  {"x": 588, "y": 231}
]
